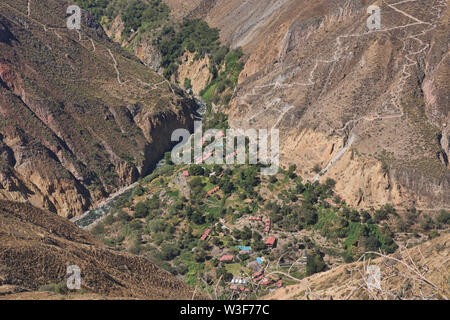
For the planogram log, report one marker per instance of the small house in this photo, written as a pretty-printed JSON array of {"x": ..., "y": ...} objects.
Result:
[
  {"x": 271, "y": 242},
  {"x": 259, "y": 260},
  {"x": 226, "y": 258},
  {"x": 205, "y": 234},
  {"x": 214, "y": 190},
  {"x": 239, "y": 280}
]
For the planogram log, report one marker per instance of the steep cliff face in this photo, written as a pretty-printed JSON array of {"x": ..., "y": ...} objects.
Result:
[
  {"x": 79, "y": 117},
  {"x": 369, "y": 107},
  {"x": 196, "y": 70},
  {"x": 37, "y": 247},
  {"x": 192, "y": 65}
]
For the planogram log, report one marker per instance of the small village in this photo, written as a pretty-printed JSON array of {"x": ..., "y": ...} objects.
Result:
[
  {"x": 229, "y": 227},
  {"x": 245, "y": 283}
]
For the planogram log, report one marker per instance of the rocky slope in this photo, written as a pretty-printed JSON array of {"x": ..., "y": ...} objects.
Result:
[
  {"x": 418, "y": 273},
  {"x": 36, "y": 247},
  {"x": 371, "y": 108},
  {"x": 79, "y": 117}
]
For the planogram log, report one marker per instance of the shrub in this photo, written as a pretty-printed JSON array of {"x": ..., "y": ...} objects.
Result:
[
  {"x": 372, "y": 243},
  {"x": 354, "y": 216},
  {"x": 157, "y": 225},
  {"x": 98, "y": 229},
  {"x": 316, "y": 168},
  {"x": 365, "y": 215},
  {"x": 196, "y": 170},
  {"x": 427, "y": 223},
  {"x": 315, "y": 263},
  {"x": 169, "y": 251},
  {"x": 59, "y": 288},
  {"x": 330, "y": 183},
  {"x": 443, "y": 217},
  {"x": 141, "y": 210},
  {"x": 109, "y": 220},
  {"x": 227, "y": 98},
  {"x": 138, "y": 191},
  {"x": 153, "y": 203},
  {"x": 187, "y": 84}
]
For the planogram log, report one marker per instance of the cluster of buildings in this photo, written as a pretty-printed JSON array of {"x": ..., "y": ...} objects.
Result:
[
  {"x": 332, "y": 203},
  {"x": 266, "y": 223},
  {"x": 267, "y": 228},
  {"x": 239, "y": 283}
]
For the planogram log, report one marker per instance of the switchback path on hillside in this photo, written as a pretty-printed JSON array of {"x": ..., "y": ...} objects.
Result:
[
  {"x": 341, "y": 53},
  {"x": 108, "y": 54}
]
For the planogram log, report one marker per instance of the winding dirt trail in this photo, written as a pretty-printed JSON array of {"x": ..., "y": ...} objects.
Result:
[
  {"x": 93, "y": 42},
  {"x": 395, "y": 95},
  {"x": 116, "y": 68},
  {"x": 339, "y": 55},
  {"x": 336, "y": 157}
]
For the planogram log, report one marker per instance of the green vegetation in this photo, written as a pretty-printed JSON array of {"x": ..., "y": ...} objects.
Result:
[
  {"x": 137, "y": 15},
  {"x": 167, "y": 226},
  {"x": 226, "y": 80},
  {"x": 148, "y": 15},
  {"x": 187, "y": 84},
  {"x": 192, "y": 35},
  {"x": 150, "y": 20},
  {"x": 98, "y": 8},
  {"x": 197, "y": 37},
  {"x": 315, "y": 263}
]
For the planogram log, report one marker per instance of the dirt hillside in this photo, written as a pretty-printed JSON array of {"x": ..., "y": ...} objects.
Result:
[
  {"x": 36, "y": 247},
  {"x": 79, "y": 117},
  {"x": 370, "y": 108},
  {"x": 420, "y": 272}
]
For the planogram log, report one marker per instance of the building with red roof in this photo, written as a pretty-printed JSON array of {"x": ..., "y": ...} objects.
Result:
[
  {"x": 212, "y": 191},
  {"x": 226, "y": 258},
  {"x": 270, "y": 242},
  {"x": 205, "y": 234}
]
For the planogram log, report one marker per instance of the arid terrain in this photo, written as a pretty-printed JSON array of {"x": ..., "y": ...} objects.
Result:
[
  {"x": 79, "y": 117},
  {"x": 418, "y": 273},
  {"x": 87, "y": 115},
  {"x": 329, "y": 84},
  {"x": 37, "y": 246}
]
